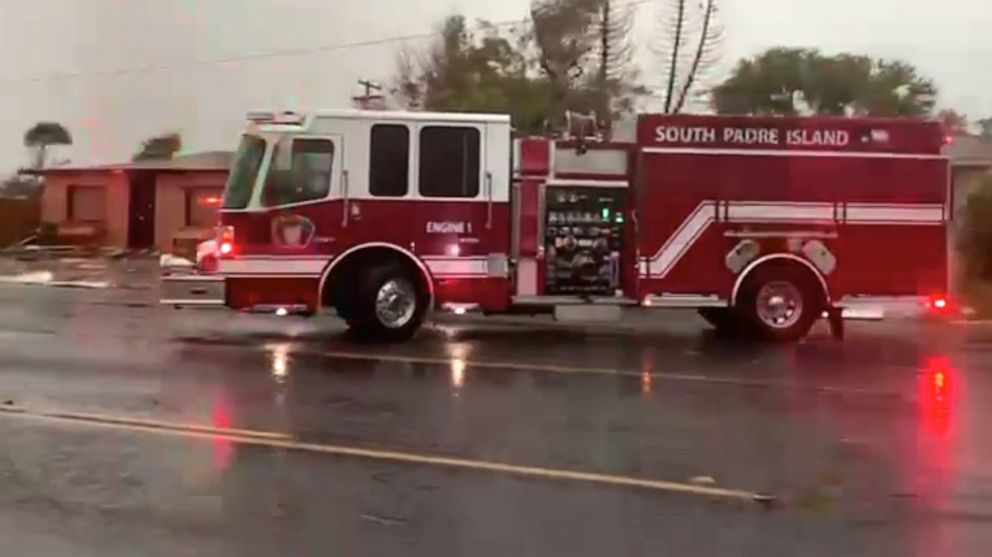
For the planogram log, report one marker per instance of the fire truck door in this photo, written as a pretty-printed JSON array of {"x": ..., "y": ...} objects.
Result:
[
  {"x": 462, "y": 191},
  {"x": 305, "y": 194}
]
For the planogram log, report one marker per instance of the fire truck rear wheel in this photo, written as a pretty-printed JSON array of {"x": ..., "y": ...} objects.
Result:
[
  {"x": 780, "y": 303},
  {"x": 389, "y": 306}
]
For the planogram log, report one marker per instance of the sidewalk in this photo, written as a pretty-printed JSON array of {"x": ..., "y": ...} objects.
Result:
[{"x": 79, "y": 271}]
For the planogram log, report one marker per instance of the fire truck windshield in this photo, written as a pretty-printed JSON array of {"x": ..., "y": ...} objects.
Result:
[{"x": 244, "y": 172}]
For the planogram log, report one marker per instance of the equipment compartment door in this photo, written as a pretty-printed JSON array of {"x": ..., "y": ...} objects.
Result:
[{"x": 584, "y": 240}]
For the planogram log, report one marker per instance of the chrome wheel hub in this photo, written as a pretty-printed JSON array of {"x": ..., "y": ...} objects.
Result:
[
  {"x": 395, "y": 303},
  {"x": 779, "y": 304}
]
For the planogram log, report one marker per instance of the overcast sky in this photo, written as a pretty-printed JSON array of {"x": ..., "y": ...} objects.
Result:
[{"x": 52, "y": 52}]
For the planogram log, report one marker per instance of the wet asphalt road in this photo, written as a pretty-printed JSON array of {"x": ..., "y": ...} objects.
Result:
[{"x": 874, "y": 446}]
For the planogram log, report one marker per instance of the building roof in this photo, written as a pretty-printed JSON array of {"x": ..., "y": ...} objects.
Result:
[
  {"x": 206, "y": 161},
  {"x": 970, "y": 150}
]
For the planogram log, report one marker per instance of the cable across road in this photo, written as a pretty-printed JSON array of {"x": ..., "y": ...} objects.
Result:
[{"x": 270, "y": 54}]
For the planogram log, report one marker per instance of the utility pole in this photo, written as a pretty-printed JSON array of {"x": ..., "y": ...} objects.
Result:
[
  {"x": 606, "y": 40},
  {"x": 372, "y": 99}
]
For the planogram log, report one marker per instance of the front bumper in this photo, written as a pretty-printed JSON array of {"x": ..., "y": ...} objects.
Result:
[{"x": 193, "y": 290}]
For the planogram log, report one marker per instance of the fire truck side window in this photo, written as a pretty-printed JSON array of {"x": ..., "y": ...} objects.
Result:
[
  {"x": 389, "y": 167},
  {"x": 449, "y": 162},
  {"x": 303, "y": 176}
]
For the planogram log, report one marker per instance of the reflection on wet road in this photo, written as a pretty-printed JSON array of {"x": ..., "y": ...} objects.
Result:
[{"x": 498, "y": 436}]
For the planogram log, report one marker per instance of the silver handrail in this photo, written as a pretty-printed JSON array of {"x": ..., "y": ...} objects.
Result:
[
  {"x": 489, "y": 197},
  {"x": 344, "y": 197}
]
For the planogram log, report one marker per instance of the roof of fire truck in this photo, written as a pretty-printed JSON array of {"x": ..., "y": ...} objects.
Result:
[
  {"x": 902, "y": 135},
  {"x": 270, "y": 118}
]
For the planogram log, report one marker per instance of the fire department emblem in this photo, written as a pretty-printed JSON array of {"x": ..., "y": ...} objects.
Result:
[{"x": 292, "y": 231}]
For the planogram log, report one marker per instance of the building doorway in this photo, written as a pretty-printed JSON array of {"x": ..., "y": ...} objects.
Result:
[{"x": 141, "y": 220}]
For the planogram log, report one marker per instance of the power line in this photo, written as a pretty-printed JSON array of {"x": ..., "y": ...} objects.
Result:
[{"x": 282, "y": 53}]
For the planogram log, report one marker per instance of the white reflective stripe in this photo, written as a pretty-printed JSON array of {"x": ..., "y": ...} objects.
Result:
[
  {"x": 780, "y": 212},
  {"x": 680, "y": 242},
  {"x": 273, "y": 266},
  {"x": 774, "y": 153},
  {"x": 587, "y": 183},
  {"x": 885, "y": 214},
  {"x": 759, "y": 212},
  {"x": 458, "y": 266}
]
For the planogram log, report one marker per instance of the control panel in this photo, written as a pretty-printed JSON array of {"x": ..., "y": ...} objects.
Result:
[{"x": 583, "y": 240}]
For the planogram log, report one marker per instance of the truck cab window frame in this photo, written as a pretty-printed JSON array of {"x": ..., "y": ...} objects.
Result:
[
  {"x": 303, "y": 175},
  {"x": 450, "y": 162},
  {"x": 389, "y": 160}
]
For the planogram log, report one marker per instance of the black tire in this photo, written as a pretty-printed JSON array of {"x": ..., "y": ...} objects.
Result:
[
  {"x": 366, "y": 323},
  {"x": 726, "y": 321},
  {"x": 795, "y": 323}
]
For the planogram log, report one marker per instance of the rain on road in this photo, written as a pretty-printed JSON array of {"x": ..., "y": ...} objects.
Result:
[{"x": 129, "y": 429}]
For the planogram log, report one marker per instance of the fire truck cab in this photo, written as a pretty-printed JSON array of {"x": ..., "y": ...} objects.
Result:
[{"x": 761, "y": 224}]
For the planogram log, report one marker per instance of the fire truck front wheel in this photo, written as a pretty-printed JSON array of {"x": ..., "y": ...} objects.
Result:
[
  {"x": 389, "y": 306},
  {"x": 780, "y": 303}
]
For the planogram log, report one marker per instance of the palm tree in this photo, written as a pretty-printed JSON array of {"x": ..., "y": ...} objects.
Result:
[{"x": 41, "y": 136}]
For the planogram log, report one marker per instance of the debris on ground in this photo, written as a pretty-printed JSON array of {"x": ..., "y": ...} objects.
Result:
[
  {"x": 34, "y": 277},
  {"x": 167, "y": 261}
]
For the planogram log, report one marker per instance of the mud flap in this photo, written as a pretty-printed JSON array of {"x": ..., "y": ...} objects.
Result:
[{"x": 835, "y": 316}]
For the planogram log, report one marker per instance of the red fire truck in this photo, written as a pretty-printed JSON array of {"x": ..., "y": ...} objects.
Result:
[{"x": 763, "y": 225}]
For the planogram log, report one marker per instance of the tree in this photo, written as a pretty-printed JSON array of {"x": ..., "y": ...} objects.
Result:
[
  {"x": 568, "y": 57},
  {"x": 473, "y": 71},
  {"x": 43, "y": 135},
  {"x": 766, "y": 84},
  {"x": 953, "y": 121},
  {"x": 790, "y": 81},
  {"x": 159, "y": 147},
  {"x": 20, "y": 185},
  {"x": 565, "y": 35},
  {"x": 615, "y": 76},
  {"x": 896, "y": 89},
  {"x": 985, "y": 127},
  {"x": 975, "y": 236},
  {"x": 689, "y": 44}
]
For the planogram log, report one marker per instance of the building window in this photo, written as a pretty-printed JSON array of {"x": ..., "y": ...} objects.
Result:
[
  {"x": 201, "y": 207},
  {"x": 87, "y": 204},
  {"x": 449, "y": 162},
  {"x": 303, "y": 175},
  {"x": 389, "y": 164}
]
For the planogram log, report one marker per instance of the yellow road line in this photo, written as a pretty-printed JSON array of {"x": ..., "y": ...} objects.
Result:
[
  {"x": 141, "y": 422},
  {"x": 520, "y": 366},
  {"x": 274, "y": 441},
  {"x": 579, "y": 370}
]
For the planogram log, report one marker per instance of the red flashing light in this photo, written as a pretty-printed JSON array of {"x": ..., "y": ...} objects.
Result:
[
  {"x": 949, "y": 139},
  {"x": 211, "y": 201},
  {"x": 939, "y": 303},
  {"x": 225, "y": 240}
]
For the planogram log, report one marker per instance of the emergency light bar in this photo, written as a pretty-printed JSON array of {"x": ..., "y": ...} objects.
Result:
[{"x": 268, "y": 117}]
